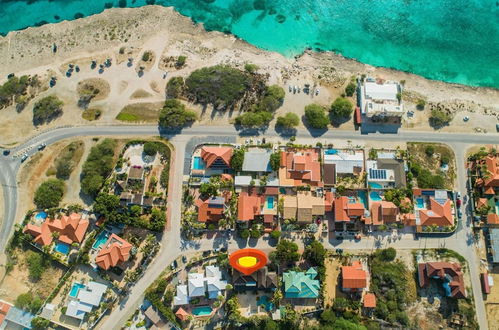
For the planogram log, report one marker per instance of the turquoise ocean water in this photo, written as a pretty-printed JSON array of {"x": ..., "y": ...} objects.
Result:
[{"x": 449, "y": 40}]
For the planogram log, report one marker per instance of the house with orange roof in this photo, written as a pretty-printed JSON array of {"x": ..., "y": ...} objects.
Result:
[
  {"x": 216, "y": 157},
  {"x": 433, "y": 208},
  {"x": 347, "y": 210},
  {"x": 353, "y": 278},
  {"x": 300, "y": 168},
  {"x": 211, "y": 209},
  {"x": 113, "y": 253},
  {"x": 450, "y": 273},
  {"x": 383, "y": 213},
  {"x": 68, "y": 229},
  {"x": 489, "y": 180},
  {"x": 249, "y": 206},
  {"x": 369, "y": 300}
]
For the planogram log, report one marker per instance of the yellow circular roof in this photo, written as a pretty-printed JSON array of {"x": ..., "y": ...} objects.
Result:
[{"x": 248, "y": 261}]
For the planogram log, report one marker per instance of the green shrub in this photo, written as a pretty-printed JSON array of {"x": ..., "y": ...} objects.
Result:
[
  {"x": 37, "y": 265},
  {"x": 341, "y": 108},
  {"x": 245, "y": 233},
  {"x": 275, "y": 161},
  {"x": 315, "y": 116},
  {"x": 289, "y": 120},
  {"x": 420, "y": 104},
  {"x": 49, "y": 194},
  {"x": 14, "y": 86},
  {"x": 150, "y": 148},
  {"x": 67, "y": 160},
  {"x": 175, "y": 87},
  {"x": 272, "y": 99},
  {"x": 180, "y": 61},
  {"x": 175, "y": 114},
  {"x": 47, "y": 109},
  {"x": 444, "y": 159},
  {"x": 429, "y": 150},
  {"x": 219, "y": 85},
  {"x": 251, "y": 68},
  {"x": 97, "y": 167},
  {"x": 237, "y": 159},
  {"x": 254, "y": 119},
  {"x": 350, "y": 89},
  {"x": 388, "y": 254},
  {"x": 146, "y": 56},
  {"x": 275, "y": 234},
  {"x": 440, "y": 117},
  {"x": 39, "y": 323}
]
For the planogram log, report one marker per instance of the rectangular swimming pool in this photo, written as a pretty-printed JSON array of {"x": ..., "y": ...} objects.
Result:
[
  {"x": 375, "y": 197},
  {"x": 420, "y": 203},
  {"x": 198, "y": 163},
  {"x": 100, "y": 240},
  {"x": 375, "y": 185},
  {"x": 270, "y": 202},
  {"x": 75, "y": 288},
  {"x": 202, "y": 311},
  {"x": 62, "y": 247}
]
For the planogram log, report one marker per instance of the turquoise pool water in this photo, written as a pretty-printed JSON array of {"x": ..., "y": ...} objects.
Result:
[
  {"x": 62, "y": 247},
  {"x": 331, "y": 152},
  {"x": 375, "y": 185},
  {"x": 41, "y": 216},
  {"x": 270, "y": 202},
  {"x": 264, "y": 300},
  {"x": 461, "y": 37},
  {"x": 420, "y": 203},
  {"x": 198, "y": 163},
  {"x": 375, "y": 197},
  {"x": 202, "y": 310},
  {"x": 363, "y": 198},
  {"x": 100, "y": 240},
  {"x": 75, "y": 288}
]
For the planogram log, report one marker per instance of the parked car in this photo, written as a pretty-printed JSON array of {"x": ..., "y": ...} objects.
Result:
[
  {"x": 458, "y": 202},
  {"x": 6, "y": 152},
  {"x": 24, "y": 157},
  {"x": 458, "y": 195},
  {"x": 174, "y": 264},
  {"x": 459, "y": 214},
  {"x": 41, "y": 146},
  {"x": 184, "y": 259}
]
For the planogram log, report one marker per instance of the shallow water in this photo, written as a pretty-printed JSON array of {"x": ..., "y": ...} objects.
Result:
[{"x": 449, "y": 40}]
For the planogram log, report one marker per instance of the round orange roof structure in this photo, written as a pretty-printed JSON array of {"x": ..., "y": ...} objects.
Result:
[{"x": 248, "y": 261}]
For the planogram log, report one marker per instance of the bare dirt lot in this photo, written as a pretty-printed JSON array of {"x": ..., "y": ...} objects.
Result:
[{"x": 332, "y": 287}]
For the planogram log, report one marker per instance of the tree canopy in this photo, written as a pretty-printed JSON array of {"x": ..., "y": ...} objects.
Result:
[
  {"x": 315, "y": 253},
  {"x": 175, "y": 87},
  {"x": 49, "y": 194},
  {"x": 315, "y": 116},
  {"x": 275, "y": 161},
  {"x": 440, "y": 117},
  {"x": 286, "y": 251},
  {"x": 47, "y": 109},
  {"x": 289, "y": 120},
  {"x": 14, "y": 86},
  {"x": 219, "y": 85},
  {"x": 175, "y": 114},
  {"x": 254, "y": 119},
  {"x": 236, "y": 162},
  {"x": 97, "y": 167},
  {"x": 350, "y": 89},
  {"x": 341, "y": 108}
]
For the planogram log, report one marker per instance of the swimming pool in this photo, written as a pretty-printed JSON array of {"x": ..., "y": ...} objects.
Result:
[
  {"x": 264, "y": 300},
  {"x": 202, "y": 311},
  {"x": 375, "y": 185},
  {"x": 100, "y": 240},
  {"x": 270, "y": 202},
  {"x": 198, "y": 163},
  {"x": 41, "y": 216},
  {"x": 374, "y": 196},
  {"x": 330, "y": 152},
  {"x": 75, "y": 288},
  {"x": 363, "y": 198},
  {"x": 420, "y": 203},
  {"x": 62, "y": 247}
]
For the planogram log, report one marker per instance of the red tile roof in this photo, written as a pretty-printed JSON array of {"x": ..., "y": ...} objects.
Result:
[
  {"x": 212, "y": 154},
  {"x": 354, "y": 277},
  {"x": 248, "y": 206},
  {"x": 370, "y": 300},
  {"x": 493, "y": 172},
  {"x": 345, "y": 211},
  {"x": 429, "y": 270},
  {"x": 481, "y": 202},
  {"x": 437, "y": 214},
  {"x": 4, "y": 309},
  {"x": 70, "y": 228},
  {"x": 115, "y": 251},
  {"x": 182, "y": 314},
  {"x": 492, "y": 219},
  {"x": 303, "y": 167},
  {"x": 208, "y": 212},
  {"x": 383, "y": 213}
]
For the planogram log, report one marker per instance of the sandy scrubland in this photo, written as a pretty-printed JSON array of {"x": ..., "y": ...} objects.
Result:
[{"x": 125, "y": 35}]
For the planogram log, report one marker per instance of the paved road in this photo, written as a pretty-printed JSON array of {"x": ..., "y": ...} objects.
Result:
[{"x": 173, "y": 246}]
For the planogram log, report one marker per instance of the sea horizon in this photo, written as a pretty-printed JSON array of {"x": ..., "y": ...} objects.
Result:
[{"x": 451, "y": 41}]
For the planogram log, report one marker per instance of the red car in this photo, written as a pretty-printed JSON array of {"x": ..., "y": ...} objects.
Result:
[{"x": 458, "y": 203}]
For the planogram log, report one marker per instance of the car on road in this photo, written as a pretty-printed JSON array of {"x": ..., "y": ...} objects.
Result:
[
  {"x": 458, "y": 195},
  {"x": 174, "y": 264},
  {"x": 24, "y": 157},
  {"x": 459, "y": 214},
  {"x": 458, "y": 203},
  {"x": 41, "y": 146},
  {"x": 6, "y": 152}
]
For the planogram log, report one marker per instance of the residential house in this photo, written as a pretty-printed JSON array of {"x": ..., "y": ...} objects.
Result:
[
  {"x": 380, "y": 98},
  {"x": 300, "y": 168},
  {"x": 342, "y": 163},
  {"x": 136, "y": 174},
  {"x": 433, "y": 208},
  {"x": 113, "y": 253},
  {"x": 262, "y": 279},
  {"x": 182, "y": 314},
  {"x": 450, "y": 274},
  {"x": 354, "y": 278},
  {"x": 303, "y": 206},
  {"x": 301, "y": 284},
  {"x": 493, "y": 249},
  {"x": 249, "y": 205},
  {"x": 155, "y": 318},
  {"x": 12, "y": 317},
  {"x": 347, "y": 209},
  {"x": 209, "y": 284},
  {"x": 383, "y": 213},
  {"x": 68, "y": 229},
  {"x": 257, "y": 161},
  {"x": 369, "y": 300},
  {"x": 216, "y": 157},
  {"x": 87, "y": 297},
  {"x": 211, "y": 210},
  {"x": 386, "y": 173},
  {"x": 489, "y": 182}
]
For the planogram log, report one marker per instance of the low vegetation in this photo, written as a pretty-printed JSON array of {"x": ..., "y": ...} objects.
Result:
[
  {"x": 440, "y": 117},
  {"x": 341, "y": 108},
  {"x": 426, "y": 161},
  {"x": 236, "y": 162},
  {"x": 29, "y": 301},
  {"x": 13, "y": 89},
  {"x": 289, "y": 120},
  {"x": 37, "y": 264},
  {"x": 145, "y": 112},
  {"x": 68, "y": 159},
  {"x": 97, "y": 167},
  {"x": 253, "y": 119},
  {"x": 49, "y": 194},
  {"x": 315, "y": 116},
  {"x": 350, "y": 89},
  {"x": 91, "y": 114},
  {"x": 175, "y": 114},
  {"x": 47, "y": 109}
]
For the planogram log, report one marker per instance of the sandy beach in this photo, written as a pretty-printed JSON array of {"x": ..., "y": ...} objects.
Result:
[{"x": 120, "y": 34}]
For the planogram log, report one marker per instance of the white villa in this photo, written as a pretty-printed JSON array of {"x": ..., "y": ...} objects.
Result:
[
  {"x": 379, "y": 99},
  {"x": 200, "y": 285},
  {"x": 88, "y": 296}
]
